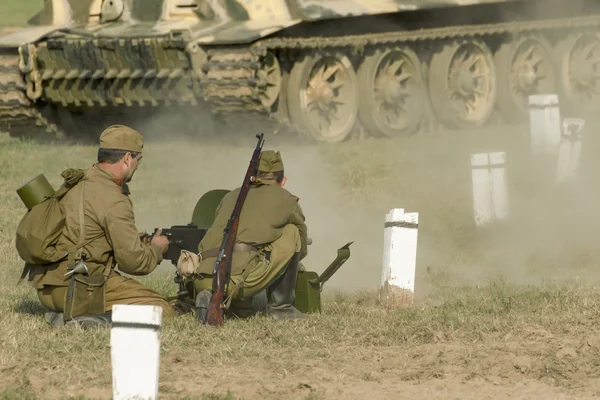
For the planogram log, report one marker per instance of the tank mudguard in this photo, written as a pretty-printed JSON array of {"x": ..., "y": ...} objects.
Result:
[
  {"x": 243, "y": 32},
  {"x": 24, "y": 36},
  {"x": 314, "y": 10}
]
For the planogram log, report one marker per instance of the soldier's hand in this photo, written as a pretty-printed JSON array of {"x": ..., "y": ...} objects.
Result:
[
  {"x": 160, "y": 240},
  {"x": 145, "y": 238}
]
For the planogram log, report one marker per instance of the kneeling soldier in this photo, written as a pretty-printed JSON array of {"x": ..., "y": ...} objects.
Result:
[
  {"x": 271, "y": 240},
  {"x": 99, "y": 235}
]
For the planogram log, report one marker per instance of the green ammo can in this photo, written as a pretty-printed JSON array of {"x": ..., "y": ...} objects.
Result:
[
  {"x": 308, "y": 292},
  {"x": 309, "y": 284}
]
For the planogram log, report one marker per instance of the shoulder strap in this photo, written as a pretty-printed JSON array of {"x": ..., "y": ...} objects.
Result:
[
  {"x": 75, "y": 252},
  {"x": 81, "y": 222}
]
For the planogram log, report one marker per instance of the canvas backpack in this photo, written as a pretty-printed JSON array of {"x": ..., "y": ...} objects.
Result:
[{"x": 41, "y": 227}]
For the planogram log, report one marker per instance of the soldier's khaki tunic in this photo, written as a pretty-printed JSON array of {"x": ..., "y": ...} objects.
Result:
[
  {"x": 108, "y": 215},
  {"x": 271, "y": 220}
]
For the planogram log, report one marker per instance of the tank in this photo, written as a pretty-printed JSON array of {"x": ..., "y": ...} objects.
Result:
[{"x": 328, "y": 70}]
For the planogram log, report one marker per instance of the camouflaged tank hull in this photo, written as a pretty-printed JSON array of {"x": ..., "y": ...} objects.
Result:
[{"x": 329, "y": 70}]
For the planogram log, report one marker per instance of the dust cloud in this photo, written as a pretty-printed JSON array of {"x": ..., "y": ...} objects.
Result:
[
  {"x": 218, "y": 160},
  {"x": 345, "y": 190}
]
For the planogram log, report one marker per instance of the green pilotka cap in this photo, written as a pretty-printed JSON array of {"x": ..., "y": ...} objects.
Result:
[
  {"x": 270, "y": 161},
  {"x": 121, "y": 137},
  {"x": 35, "y": 191}
]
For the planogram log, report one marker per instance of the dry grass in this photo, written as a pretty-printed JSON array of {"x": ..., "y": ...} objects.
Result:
[{"x": 494, "y": 331}]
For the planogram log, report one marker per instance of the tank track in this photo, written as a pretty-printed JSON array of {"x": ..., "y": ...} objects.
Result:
[
  {"x": 232, "y": 83},
  {"x": 151, "y": 72},
  {"x": 18, "y": 114}
]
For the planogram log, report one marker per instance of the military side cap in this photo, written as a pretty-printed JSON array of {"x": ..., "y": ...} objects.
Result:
[
  {"x": 270, "y": 161},
  {"x": 121, "y": 137}
]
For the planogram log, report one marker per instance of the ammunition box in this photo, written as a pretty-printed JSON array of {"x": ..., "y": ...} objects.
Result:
[{"x": 308, "y": 295}]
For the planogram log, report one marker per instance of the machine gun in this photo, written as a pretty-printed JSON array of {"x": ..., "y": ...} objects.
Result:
[
  {"x": 181, "y": 237},
  {"x": 187, "y": 237}
]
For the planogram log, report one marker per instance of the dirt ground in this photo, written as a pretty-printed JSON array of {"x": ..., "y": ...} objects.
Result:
[
  {"x": 526, "y": 361},
  {"x": 493, "y": 369}
]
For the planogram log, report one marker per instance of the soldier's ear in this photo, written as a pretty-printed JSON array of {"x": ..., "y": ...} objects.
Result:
[
  {"x": 128, "y": 158},
  {"x": 283, "y": 181}
]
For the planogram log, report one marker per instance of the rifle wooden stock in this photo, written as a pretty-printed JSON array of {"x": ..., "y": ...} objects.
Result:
[{"x": 222, "y": 267}]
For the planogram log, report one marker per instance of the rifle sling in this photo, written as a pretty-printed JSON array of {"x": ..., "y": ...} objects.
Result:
[{"x": 237, "y": 247}]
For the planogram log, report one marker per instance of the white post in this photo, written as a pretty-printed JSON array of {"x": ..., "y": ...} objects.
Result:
[
  {"x": 399, "y": 258},
  {"x": 490, "y": 199},
  {"x": 569, "y": 149},
  {"x": 544, "y": 120},
  {"x": 135, "y": 351}
]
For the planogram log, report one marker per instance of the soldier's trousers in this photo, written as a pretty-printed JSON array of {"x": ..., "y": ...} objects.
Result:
[
  {"x": 119, "y": 290},
  {"x": 268, "y": 265}
]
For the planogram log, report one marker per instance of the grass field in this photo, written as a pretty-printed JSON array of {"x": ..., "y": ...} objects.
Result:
[
  {"x": 505, "y": 311},
  {"x": 16, "y": 13}
]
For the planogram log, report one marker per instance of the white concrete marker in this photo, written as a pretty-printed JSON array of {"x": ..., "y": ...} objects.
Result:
[
  {"x": 544, "y": 123},
  {"x": 490, "y": 199},
  {"x": 569, "y": 149},
  {"x": 135, "y": 351},
  {"x": 399, "y": 258}
]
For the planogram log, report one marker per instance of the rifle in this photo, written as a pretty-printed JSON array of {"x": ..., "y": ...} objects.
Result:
[{"x": 222, "y": 267}]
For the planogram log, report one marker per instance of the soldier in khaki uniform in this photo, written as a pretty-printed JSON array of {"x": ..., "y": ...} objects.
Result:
[
  {"x": 109, "y": 234},
  {"x": 270, "y": 242}
]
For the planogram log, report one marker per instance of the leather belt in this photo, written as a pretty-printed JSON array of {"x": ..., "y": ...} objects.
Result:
[{"x": 236, "y": 247}]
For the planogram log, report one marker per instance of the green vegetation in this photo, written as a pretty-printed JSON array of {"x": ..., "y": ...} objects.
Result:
[{"x": 16, "y": 12}]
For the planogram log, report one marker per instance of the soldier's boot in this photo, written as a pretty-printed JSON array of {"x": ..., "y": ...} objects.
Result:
[
  {"x": 202, "y": 302},
  {"x": 55, "y": 319},
  {"x": 91, "y": 321},
  {"x": 259, "y": 302},
  {"x": 183, "y": 306},
  {"x": 282, "y": 293}
]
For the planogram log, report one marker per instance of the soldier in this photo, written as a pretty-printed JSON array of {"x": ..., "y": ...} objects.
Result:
[
  {"x": 108, "y": 232},
  {"x": 270, "y": 242}
]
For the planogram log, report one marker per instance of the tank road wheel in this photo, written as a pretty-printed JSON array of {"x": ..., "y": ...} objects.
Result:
[
  {"x": 462, "y": 84},
  {"x": 524, "y": 67},
  {"x": 322, "y": 96},
  {"x": 270, "y": 77},
  {"x": 579, "y": 61},
  {"x": 392, "y": 92}
]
